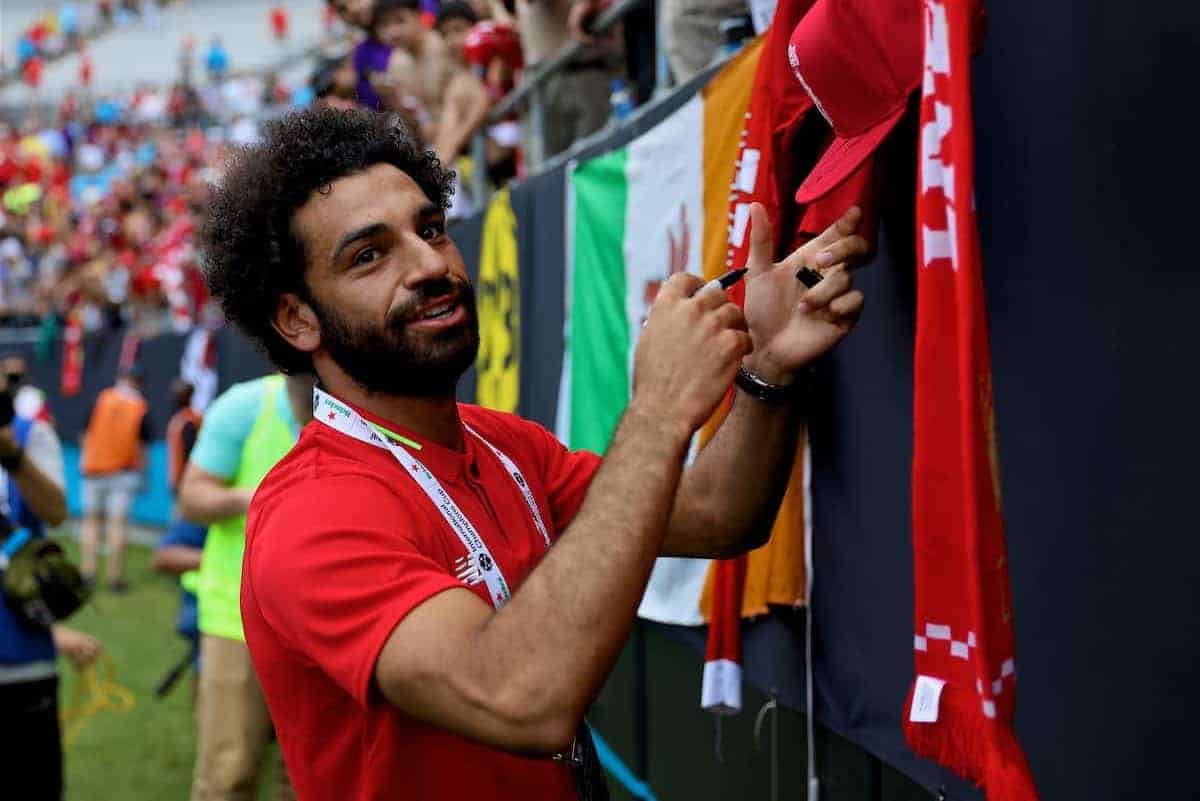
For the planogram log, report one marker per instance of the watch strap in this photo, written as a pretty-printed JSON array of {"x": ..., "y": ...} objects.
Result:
[{"x": 767, "y": 392}]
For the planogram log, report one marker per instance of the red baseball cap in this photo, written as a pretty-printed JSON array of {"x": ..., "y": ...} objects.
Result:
[
  {"x": 859, "y": 60},
  {"x": 489, "y": 40}
]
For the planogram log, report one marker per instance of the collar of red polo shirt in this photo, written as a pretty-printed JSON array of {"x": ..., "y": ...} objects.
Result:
[{"x": 479, "y": 565}]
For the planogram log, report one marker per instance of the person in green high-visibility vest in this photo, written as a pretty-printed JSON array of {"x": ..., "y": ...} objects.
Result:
[{"x": 246, "y": 431}]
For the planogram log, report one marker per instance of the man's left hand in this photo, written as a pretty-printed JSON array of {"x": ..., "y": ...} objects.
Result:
[{"x": 792, "y": 325}]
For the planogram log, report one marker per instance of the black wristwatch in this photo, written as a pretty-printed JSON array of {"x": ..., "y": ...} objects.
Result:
[
  {"x": 756, "y": 387},
  {"x": 12, "y": 462}
]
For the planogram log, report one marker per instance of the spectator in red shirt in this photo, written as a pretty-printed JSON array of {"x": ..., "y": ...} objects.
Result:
[{"x": 433, "y": 592}]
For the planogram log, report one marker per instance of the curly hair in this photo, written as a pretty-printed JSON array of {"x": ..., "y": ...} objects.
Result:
[{"x": 252, "y": 257}]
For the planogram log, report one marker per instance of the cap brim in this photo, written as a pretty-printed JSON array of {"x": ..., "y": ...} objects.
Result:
[{"x": 843, "y": 157}]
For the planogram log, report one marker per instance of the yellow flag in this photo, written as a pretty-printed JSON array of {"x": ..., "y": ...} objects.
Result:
[{"x": 499, "y": 299}]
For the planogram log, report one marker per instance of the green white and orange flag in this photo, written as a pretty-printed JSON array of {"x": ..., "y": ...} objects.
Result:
[{"x": 635, "y": 216}]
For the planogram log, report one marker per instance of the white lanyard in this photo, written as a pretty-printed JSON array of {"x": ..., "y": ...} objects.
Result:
[
  {"x": 478, "y": 564},
  {"x": 519, "y": 480}
]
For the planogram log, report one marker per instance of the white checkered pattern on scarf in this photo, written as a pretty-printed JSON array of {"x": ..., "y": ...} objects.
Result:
[{"x": 962, "y": 650}]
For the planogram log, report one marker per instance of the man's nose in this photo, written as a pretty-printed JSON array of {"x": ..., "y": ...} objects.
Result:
[{"x": 428, "y": 264}]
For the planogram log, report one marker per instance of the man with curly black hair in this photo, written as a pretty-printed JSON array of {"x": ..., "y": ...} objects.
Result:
[
  {"x": 253, "y": 252},
  {"x": 433, "y": 592}
]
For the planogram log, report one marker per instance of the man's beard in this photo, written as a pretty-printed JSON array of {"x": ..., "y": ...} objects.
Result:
[{"x": 392, "y": 360}]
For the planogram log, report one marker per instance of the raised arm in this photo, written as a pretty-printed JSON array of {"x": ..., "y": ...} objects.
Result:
[
  {"x": 728, "y": 500},
  {"x": 463, "y": 111},
  {"x": 522, "y": 678}
]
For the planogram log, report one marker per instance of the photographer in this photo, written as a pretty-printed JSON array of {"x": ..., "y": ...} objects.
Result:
[{"x": 31, "y": 496}]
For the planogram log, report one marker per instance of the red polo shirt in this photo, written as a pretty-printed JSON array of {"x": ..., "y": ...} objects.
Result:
[{"x": 341, "y": 544}]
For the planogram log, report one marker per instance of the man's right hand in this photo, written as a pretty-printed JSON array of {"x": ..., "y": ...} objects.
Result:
[
  {"x": 689, "y": 352},
  {"x": 82, "y": 649}
]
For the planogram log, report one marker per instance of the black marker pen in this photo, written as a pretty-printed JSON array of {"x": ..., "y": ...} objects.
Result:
[
  {"x": 725, "y": 281},
  {"x": 808, "y": 276}
]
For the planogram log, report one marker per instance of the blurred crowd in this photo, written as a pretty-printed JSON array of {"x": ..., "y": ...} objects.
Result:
[
  {"x": 442, "y": 65},
  {"x": 65, "y": 27},
  {"x": 97, "y": 223},
  {"x": 100, "y": 198}
]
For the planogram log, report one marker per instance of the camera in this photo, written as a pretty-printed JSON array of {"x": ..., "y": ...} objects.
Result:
[
  {"x": 7, "y": 408},
  {"x": 36, "y": 576}
]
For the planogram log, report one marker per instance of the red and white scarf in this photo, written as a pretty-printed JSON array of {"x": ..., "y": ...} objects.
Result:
[
  {"x": 72, "y": 360},
  {"x": 960, "y": 709},
  {"x": 776, "y": 108},
  {"x": 199, "y": 367}
]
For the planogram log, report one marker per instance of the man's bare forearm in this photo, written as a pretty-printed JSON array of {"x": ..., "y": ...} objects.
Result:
[
  {"x": 562, "y": 631},
  {"x": 727, "y": 500},
  {"x": 205, "y": 499},
  {"x": 45, "y": 498},
  {"x": 465, "y": 109},
  {"x": 177, "y": 559}
]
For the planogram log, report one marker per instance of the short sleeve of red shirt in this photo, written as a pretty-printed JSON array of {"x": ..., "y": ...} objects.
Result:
[
  {"x": 342, "y": 579},
  {"x": 567, "y": 476}
]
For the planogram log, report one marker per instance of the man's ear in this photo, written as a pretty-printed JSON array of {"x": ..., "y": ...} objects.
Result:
[{"x": 297, "y": 323}]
